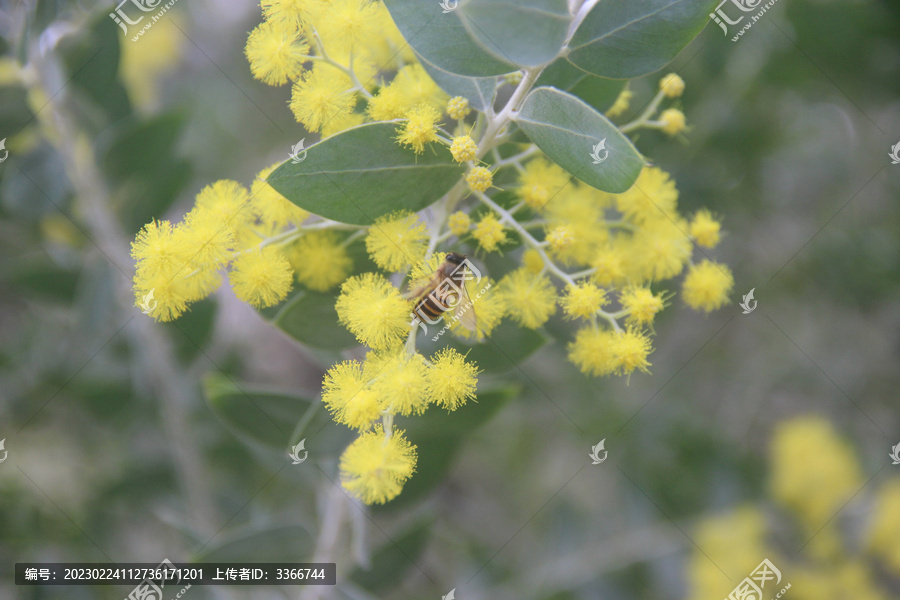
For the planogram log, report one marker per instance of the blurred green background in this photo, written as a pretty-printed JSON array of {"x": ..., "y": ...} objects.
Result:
[{"x": 760, "y": 435}]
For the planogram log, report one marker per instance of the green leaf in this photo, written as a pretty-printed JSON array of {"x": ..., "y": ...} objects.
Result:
[
  {"x": 599, "y": 92},
  {"x": 278, "y": 543},
  {"x": 528, "y": 33},
  {"x": 394, "y": 559},
  {"x": 478, "y": 90},
  {"x": 261, "y": 416},
  {"x": 309, "y": 317},
  {"x": 567, "y": 130},
  {"x": 442, "y": 39},
  {"x": 193, "y": 330},
  {"x": 438, "y": 436},
  {"x": 363, "y": 173},
  {"x": 622, "y": 39}
]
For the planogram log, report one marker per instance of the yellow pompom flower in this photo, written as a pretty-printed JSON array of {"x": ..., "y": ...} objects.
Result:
[
  {"x": 273, "y": 209},
  {"x": 459, "y": 223},
  {"x": 159, "y": 249},
  {"x": 673, "y": 121},
  {"x": 623, "y": 101},
  {"x": 658, "y": 251},
  {"x": 641, "y": 304},
  {"x": 480, "y": 179},
  {"x": 320, "y": 260},
  {"x": 261, "y": 277},
  {"x": 387, "y": 104},
  {"x": 628, "y": 351},
  {"x": 590, "y": 351},
  {"x": 609, "y": 265},
  {"x": 463, "y": 149},
  {"x": 289, "y": 12},
  {"x": 451, "y": 380},
  {"x": 276, "y": 52},
  {"x": 166, "y": 295},
  {"x": 561, "y": 237},
  {"x": 323, "y": 94},
  {"x": 346, "y": 25},
  {"x": 671, "y": 85},
  {"x": 489, "y": 232},
  {"x": 347, "y": 396},
  {"x": 211, "y": 241},
  {"x": 419, "y": 128},
  {"x": 884, "y": 528},
  {"x": 397, "y": 241},
  {"x": 652, "y": 197},
  {"x": 541, "y": 181},
  {"x": 530, "y": 299},
  {"x": 582, "y": 301},
  {"x": 705, "y": 229},
  {"x": 402, "y": 383},
  {"x": 415, "y": 86},
  {"x": 374, "y": 311},
  {"x": 458, "y": 108},
  {"x": 489, "y": 310},
  {"x": 225, "y": 201},
  {"x": 716, "y": 536},
  {"x": 814, "y": 471},
  {"x": 707, "y": 285},
  {"x": 374, "y": 469},
  {"x": 532, "y": 261}
]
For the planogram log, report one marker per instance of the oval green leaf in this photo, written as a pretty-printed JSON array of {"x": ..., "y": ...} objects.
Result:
[
  {"x": 622, "y": 39},
  {"x": 442, "y": 39},
  {"x": 528, "y": 33},
  {"x": 310, "y": 318},
  {"x": 599, "y": 92},
  {"x": 479, "y": 91},
  {"x": 569, "y": 131}
]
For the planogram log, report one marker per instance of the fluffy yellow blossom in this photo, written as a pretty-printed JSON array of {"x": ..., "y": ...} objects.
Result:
[
  {"x": 463, "y": 149},
  {"x": 374, "y": 469},
  {"x": 270, "y": 207},
  {"x": 582, "y": 301},
  {"x": 609, "y": 265},
  {"x": 532, "y": 261},
  {"x": 373, "y": 310},
  {"x": 167, "y": 296},
  {"x": 671, "y": 85},
  {"x": 387, "y": 104},
  {"x": 628, "y": 351},
  {"x": 489, "y": 310},
  {"x": 459, "y": 223},
  {"x": 323, "y": 94},
  {"x": 577, "y": 226},
  {"x": 884, "y": 528},
  {"x": 451, "y": 380},
  {"x": 673, "y": 121},
  {"x": 718, "y": 536},
  {"x": 226, "y": 201},
  {"x": 489, "y": 232},
  {"x": 402, "y": 383},
  {"x": 261, "y": 277},
  {"x": 320, "y": 260},
  {"x": 561, "y": 237},
  {"x": 707, "y": 285},
  {"x": 419, "y": 128},
  {"x": 288, "y": 12},
  {"x": 411, "y": 87},
  {"x": 652, "y": 197},
  {"x": 458, "y": 108},
  {"x": 814, "y": 471},
  {"x": 160, "y": 248},
  {"x": 397, "y": 241},
  {"x": 480, "y": 179},
  {"x": 659, "y": 250},
  {"x": 541, "y": 181},
  {"x": 346, "y": 394},
  {"x": 212, "y": 242},
  {"x": 641, "y": 304},
  {"x": 705, "y": 229},
  {"x": 590, "y": 351},
  {"x": 276, "y": 52},
  {"x": 623, "y": 101},
  {"x": 530, "y": 299},
  {"x": 345, "y": 26}
]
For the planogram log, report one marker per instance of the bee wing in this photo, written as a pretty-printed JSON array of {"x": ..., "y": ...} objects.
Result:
[
  {"x": 424, "y": 289},
  {"x": 465, "y": 310}
]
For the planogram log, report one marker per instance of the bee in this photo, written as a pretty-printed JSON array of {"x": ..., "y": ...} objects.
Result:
[{"x": 446, "y": 290}]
